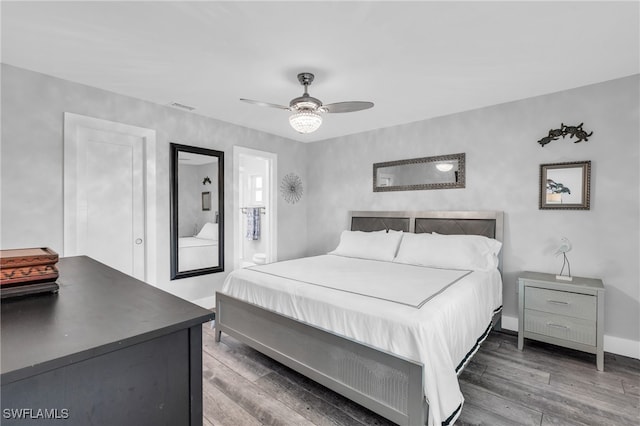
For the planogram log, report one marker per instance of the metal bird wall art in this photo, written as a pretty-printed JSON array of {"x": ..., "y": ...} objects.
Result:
[{"x": 572, "y": 131}]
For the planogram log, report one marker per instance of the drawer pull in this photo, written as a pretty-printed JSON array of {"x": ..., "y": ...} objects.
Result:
[
  {"x": 557, "y": 302},
  {"x": 564, "y": 327}
]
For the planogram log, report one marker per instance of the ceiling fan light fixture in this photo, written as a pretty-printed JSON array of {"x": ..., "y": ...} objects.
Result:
[
  {"x": 305, "y": 121},
  {"x": 305, "y": 105},
  {"x": 307, "y": 110}
]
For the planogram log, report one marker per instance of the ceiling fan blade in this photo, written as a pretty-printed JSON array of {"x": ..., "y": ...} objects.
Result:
[
  {"x": 347, "y": 106},
  {"x": 266, "y": 104}
]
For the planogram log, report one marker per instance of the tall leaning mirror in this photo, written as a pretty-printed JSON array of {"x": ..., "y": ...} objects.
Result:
[{"x": 197, "y": 211}]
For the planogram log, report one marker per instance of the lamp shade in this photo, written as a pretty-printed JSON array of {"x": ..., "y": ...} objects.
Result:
[{"x": 305, "y": 121}]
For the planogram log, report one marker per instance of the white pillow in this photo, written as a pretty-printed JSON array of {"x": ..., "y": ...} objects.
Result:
[
  {"x": 473, "y": 252},
  {"x": 368, "y": 245},
  {"x": 209, "y": 231},
  {"x": 388, "y": 231}
]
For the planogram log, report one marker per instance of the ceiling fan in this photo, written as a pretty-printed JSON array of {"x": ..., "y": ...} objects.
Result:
[{"x": 307, "y": 110}]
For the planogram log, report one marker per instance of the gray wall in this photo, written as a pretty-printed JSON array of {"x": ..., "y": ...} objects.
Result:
[
  {"x": 503, "y": 161},
  {"x": 33, "y": 105},
  {"x": 502, "y": 156}
]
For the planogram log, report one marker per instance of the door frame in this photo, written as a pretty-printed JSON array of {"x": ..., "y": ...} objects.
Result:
[
  {"x": 272, "y": 216},
  {"x": 72, "y": 124}
]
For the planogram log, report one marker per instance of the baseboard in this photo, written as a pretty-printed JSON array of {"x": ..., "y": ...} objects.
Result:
[
  {"x": 612, "y": 344},
  {"x": 206, "y": 302},
  {"x": 625, "y": 347},
  {"x": 510, "y": 323}
]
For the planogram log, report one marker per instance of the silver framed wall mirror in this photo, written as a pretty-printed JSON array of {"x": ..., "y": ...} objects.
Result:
[
  {"x": 438, "y": 172},
  {"x": 565, "y": 186},
  {"x": 197, "y": 211}
]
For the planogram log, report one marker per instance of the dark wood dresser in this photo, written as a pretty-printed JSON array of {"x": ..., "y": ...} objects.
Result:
[{"x": 107, "y": 349}]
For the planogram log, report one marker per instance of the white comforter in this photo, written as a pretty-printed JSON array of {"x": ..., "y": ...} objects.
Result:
[{"x": 433, "y": 316}]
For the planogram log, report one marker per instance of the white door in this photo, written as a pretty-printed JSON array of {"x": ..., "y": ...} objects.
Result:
[
  {"x": 105, "y": 190},
  {"x": 110, "y": 216}
]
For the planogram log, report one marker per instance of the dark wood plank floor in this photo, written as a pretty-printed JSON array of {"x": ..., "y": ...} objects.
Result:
[{"x": 542, "y": 385}]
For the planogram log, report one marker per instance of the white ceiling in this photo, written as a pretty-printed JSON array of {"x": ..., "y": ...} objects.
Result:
[{"x": 414, "y": 60}]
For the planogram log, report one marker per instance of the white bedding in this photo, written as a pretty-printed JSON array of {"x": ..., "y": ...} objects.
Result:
[
  {"x": 197, "y": 253},
  {"x": 441, "y": 334}
]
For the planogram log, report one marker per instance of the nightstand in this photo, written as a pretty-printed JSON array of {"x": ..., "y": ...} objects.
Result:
[{"x": 563, "y": 313}]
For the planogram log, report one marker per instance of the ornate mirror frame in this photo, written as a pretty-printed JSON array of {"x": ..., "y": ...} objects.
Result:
[
  {"x": 565, "y": 186},
  {"x": 213, "y": 199},
  {"x": 439, "y": 172}
]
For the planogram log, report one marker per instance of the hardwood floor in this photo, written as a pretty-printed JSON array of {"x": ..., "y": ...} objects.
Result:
[{"x": 542, "y": 385}]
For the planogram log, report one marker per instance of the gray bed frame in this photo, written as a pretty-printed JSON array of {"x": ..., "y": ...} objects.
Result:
[{"x": 383, "y": 382}]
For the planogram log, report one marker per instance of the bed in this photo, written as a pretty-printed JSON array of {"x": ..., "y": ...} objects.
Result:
[
  {"x": 199, "y": 251},
  {"x": 395, "y": 349}
]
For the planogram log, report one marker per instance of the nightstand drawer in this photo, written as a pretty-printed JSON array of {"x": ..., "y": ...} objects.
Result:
[
  {"x": 561, "y": 327},
  {"x": 561, "y": 302}
]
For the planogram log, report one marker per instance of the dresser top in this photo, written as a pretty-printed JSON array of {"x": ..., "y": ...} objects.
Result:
[
  {"x": 97, "y": 310},
  {"x": 541, "y": 277}
]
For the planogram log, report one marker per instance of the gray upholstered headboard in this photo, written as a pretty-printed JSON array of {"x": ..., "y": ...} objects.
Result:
[
  {"x": 487, "y": 223},
  {"x": 371, "y": 223},
  {"x": 486, "y": 227}
]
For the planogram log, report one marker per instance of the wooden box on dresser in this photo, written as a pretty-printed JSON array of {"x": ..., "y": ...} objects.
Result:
[{"x": 563, "y": 313}]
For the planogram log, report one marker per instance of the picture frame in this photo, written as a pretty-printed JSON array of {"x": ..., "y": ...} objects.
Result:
[
  {"x": 565, "y": 186},
  {"x": 206, "y": 201}
]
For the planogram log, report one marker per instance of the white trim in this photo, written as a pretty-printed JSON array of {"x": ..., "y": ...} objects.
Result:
[
  {"x": 208, "y": 302},
  {"x": 509, "y": 323},
  {"x": 72, "y": 122},
  {"x": 612, "y": 344},
  {"x": 272, "y": 215},
  {"x": 620, "y": 346}
]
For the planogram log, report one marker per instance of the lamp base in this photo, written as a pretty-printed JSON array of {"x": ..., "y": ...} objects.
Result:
[{"x": 564, "y": 277}]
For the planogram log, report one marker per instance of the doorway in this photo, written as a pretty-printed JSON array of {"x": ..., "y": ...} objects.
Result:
[
  {"x": 109, "y": 194},
  {"x": 255, "y": 216}
]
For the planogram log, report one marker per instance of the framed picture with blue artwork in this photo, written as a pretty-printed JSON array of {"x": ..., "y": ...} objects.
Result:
[{"x": 565, "y": 186}]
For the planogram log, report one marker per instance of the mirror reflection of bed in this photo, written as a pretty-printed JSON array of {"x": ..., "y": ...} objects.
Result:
[
  {"x": 197, "y": 211},
  {"x": 199, "y": 251}
]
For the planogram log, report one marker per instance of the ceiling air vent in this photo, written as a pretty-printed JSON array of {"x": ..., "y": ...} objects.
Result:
[{"x": 182, "y": 106}]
